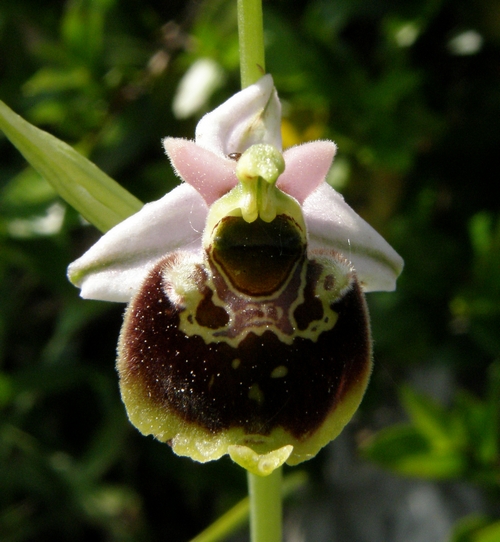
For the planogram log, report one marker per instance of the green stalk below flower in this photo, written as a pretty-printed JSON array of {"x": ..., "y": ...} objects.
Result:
[
  {"x": 236, "y": 517},
  {"x": 265, "y": 507}
]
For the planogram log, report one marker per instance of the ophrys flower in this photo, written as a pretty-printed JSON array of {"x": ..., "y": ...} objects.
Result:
[{"x": 246, "y": 331}]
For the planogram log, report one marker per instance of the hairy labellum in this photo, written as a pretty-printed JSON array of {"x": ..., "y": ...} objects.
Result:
[{"x": 258, "y": 344}]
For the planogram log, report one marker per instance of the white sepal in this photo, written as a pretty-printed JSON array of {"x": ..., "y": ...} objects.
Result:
[
  {"x": 115, "y": 267},
  {"x": 251, "y": 116},
  {"x": 332, "y": 224}
]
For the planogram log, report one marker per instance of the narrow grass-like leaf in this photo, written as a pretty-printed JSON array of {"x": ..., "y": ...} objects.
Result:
[{"x": 97, "y": 197}]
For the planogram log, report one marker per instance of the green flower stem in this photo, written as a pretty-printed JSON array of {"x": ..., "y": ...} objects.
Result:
[
  {"x": 235, "y": 518},
  {"x": 251, "y": 40},
  {"x": 265, "y": 506},
  {"x": 226, "y": 524}
]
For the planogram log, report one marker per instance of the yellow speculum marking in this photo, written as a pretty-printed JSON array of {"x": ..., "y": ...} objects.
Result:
[{"x": 256, "y": 324}]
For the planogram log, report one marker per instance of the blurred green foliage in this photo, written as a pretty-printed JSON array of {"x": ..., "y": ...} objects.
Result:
[
  {"x": 461, "y": 441},
  {"x": 411, "y": 94}
]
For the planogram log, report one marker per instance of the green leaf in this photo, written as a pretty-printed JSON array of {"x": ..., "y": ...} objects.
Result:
[
  {"x": 464, "y": 530},
  {"x": 49, "y": 79},
  {"x": 402, "y": 449},
  {"x": 490, "y": 533},
  {"x": 97, "y": 197},
  {"x": 441, "y": 428},
  {"x": 27, "y": 189},
  {"x": 492, "y": 445},
  {"x": 83, "y": 27},
  {"x": 389, "y": 445},
  {"x": 480, "y": 228},
  {"x": 6, "y": 390},
  {"x": 476, "y": 528},
  {"x": 479, "y": 419}
]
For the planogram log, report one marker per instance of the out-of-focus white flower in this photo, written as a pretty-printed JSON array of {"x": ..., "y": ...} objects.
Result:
[{"x": 195, "y": 88}]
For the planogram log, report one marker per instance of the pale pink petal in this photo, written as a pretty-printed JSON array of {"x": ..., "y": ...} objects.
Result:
[
  {"x": 333, "y": 225},
  {"x": 306, "y": 168},
  {"x": 251, "y": 116},
  {"x": 115, "y": 267},
  {"x": 211, "y": 175}
]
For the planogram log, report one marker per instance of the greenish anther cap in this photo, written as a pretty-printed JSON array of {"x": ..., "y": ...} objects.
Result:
[
  {"x": 261, "y": 160},
  {"x": 256, "y": 194},
  {"x": 258, "y": 170}
]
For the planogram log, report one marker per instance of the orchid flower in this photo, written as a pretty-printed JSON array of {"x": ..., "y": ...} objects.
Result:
[{"x": 246, "y": 331}]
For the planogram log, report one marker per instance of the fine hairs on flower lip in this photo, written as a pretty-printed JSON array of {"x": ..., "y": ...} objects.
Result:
[{"x": 247, "y": 331}]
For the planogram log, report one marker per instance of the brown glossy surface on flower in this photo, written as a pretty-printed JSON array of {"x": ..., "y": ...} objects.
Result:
[
  {"x": 257, "y": 257},
  {"x": 260, "y": 384}
]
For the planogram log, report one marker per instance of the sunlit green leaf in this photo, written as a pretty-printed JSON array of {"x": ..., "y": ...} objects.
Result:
[
  {"x": 476, "y": 528},
  {"x": 54, "y": 80},
  {"x": 464, "y": 530},
  {"x": 480, "y": 422},
  {"x": 83, "y": 26},
  {"x": 404, "y": 450},
  {"x": 432, "y": 420},
  {"x": 480, "y": 227},
  {"x": 27, "y": 189},
  {"x": 490, "y": 533},
  {"x": 99, "y": 199}
]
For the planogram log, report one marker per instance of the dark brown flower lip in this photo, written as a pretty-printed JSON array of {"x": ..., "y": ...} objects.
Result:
[{"x": 258, "y": 383}]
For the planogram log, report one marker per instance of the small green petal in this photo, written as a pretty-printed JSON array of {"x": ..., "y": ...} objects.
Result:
[{"x": 97, "y": 197}]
